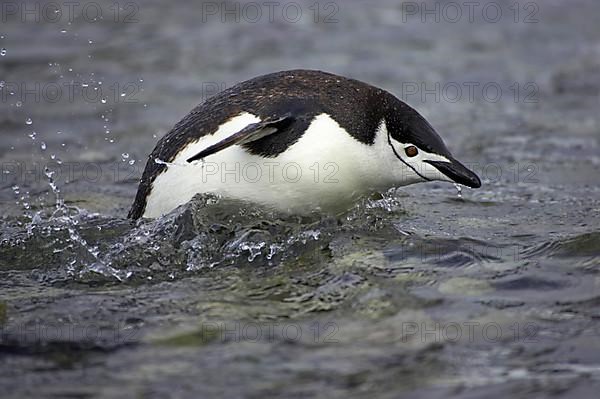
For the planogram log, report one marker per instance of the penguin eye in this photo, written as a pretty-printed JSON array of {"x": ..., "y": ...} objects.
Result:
[{"x": 411, "y": 151}]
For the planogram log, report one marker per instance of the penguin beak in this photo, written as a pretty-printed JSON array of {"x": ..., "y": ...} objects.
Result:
[{"x": 457, "y": 172}]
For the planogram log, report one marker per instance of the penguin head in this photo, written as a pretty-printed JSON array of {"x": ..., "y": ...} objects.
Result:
[{"x": 422, "y": 154}]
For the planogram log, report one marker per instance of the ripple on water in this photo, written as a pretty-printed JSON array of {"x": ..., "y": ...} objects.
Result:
[{"x": 583, "y": 245}]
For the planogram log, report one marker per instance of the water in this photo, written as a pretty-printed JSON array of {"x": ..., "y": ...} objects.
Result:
[{"x": 419, "y": 291}]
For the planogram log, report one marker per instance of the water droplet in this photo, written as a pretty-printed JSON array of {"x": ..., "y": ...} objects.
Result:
[
  {"x": 43, "y": 146},
  {"x": 19, "y": 104},
  {"x": 103, "y": 101},
  {"x": 125, "y": 155},
  {"x": 90, "y": 42},
  {"x": 458, "y": 190},
  {"x": 28, "y": 121},
  {"x": 63, "y": 31},
  {"x": 131, "y": 162},
  {"x": 32, "y": 135},
  {"x": 3, "y": 52}
]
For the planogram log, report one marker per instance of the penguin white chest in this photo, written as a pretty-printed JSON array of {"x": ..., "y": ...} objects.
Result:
[{"x": 326, "y": 168}]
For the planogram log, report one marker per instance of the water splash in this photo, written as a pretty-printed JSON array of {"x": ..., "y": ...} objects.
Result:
[
  {"x": 59, "y": 203},
  {"x": 208, "y": 232},
  {"x": 68, "y": 218},
  {"x": 255, "y": 249},
  {"x": 161, "y": 162},
  {"x": 458, "y": 190}
]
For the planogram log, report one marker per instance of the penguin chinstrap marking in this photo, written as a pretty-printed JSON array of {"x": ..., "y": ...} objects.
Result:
[{"x": 295, "y": 141}]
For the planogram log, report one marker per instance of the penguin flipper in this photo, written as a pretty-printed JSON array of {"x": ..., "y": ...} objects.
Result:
[{"x": 252, "y": 132}]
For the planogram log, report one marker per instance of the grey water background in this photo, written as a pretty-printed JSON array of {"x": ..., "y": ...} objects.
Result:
[{"x": 417, "y": 292}]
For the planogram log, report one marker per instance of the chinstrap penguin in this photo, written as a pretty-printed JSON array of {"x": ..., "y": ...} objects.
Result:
[{"x": 295, "y": 141}]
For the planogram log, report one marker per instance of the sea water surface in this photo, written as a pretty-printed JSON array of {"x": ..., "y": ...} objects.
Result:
[{"x": 420, "y": 291}]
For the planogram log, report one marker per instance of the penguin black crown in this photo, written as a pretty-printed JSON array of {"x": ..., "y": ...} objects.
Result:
[{"x": 296, "y": 141}]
